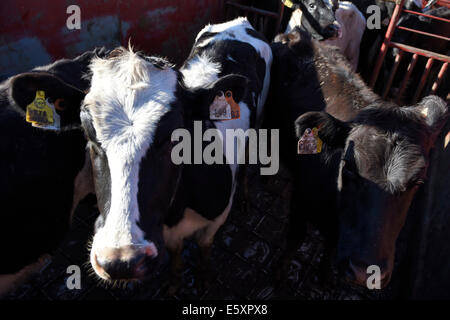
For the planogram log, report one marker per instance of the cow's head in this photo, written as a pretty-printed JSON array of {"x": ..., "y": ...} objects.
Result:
[
  {"x": 318, "y": 19},
  {"x": 42, "y": 162},
  {"x": 384, "y": 161},
  {"x": 134, "y": 105}
]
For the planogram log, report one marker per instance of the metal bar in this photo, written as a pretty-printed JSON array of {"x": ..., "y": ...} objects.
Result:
[
  {"x": 426, "y": 15},
  {"x": 423, "y": 79},
  {"x": 439, "y": 78},
  {"x": 398, "y": 58},
  {"x": 253, "y": 10},
  {"x": 280, "y": 17},
  {"x": 424, "y": 33},
  {"x": 443, "y": 3},
  {"x": 422, "y": 52},
  {"x": 409, "y": 71},
  {"x": 387, "y": 40}
]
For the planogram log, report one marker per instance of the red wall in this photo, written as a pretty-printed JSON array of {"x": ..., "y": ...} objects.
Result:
[{"x": 35, "y": 33}]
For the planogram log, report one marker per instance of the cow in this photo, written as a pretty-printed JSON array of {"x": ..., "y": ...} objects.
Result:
[
  {"x": 352, "y": 25},
  {"x": 45, "y": 173},
  {"x": 315, "y": 17},
  {"x": 147, "y": 203},
  {"x": 374, "y": 156}
]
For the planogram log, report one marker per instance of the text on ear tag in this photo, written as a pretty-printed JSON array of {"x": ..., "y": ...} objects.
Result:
[
  {"x": 224, "y": 107},
  {"x": 309, "y": 143},
  {"x": 39, "y": 111}
]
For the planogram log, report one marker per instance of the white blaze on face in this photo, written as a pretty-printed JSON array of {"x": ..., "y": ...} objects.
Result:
[{"x": 127, "y": 99}]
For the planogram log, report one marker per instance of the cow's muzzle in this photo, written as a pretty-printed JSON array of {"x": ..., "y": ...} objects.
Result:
[
  {"x": 332, "y": 31},
  {"x": 123, "y": 263}
]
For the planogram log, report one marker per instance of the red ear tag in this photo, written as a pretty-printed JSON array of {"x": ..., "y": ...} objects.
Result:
[{"x": 235, "y": 109}]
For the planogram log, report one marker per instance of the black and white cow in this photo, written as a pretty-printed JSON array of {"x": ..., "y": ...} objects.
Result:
[
  {"x": 352, "y": 25},
  {"x": 315, "y": 17},
  {"x": 357, "y": 191},
  {"x": 44, "y": 174},
  {"x": 135, "y": 103}
]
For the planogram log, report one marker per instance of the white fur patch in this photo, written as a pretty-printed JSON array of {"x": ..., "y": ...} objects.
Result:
[
  {"x": 128, "y": 97},
  {"x": 200, "y": 71}
]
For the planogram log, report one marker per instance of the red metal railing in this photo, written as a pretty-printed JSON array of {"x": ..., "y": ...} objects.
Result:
[{"x": 432, "y": 56}]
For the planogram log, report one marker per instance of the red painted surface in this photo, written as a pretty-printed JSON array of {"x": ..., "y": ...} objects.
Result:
[{"x": 164, "y": 27}]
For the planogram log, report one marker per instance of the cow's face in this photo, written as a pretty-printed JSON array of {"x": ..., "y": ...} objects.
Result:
[
  {"x": 134, "y": 105},
  {"x": 319, "y": 19},
  {"x": 384, "y": 160}
]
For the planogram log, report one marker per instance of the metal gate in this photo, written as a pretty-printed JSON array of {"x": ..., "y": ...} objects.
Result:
[{"x": 416, "y": 53}]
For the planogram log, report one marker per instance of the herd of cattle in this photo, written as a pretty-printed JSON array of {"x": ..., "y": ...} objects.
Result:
[{"x": 119, "y": 108}]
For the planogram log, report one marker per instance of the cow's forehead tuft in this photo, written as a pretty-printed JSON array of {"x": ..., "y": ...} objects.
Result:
[
  {"x": 128, "y": 97},
  {"x": 387, "y": 158}
]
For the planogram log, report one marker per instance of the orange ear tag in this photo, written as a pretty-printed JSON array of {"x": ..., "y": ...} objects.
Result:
[
  {"x": 309, "y": 142},
  {"x": 235, "y": 109},
  {"x": 224, "y": 107}
]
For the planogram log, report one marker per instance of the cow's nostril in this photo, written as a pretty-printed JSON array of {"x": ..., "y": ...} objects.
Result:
[
  {"x": 150, "y": 250},
  {"x": 332, "y": 31},
  {"x": 99, "y": 267},
  {"x": 122, "y": 269}
]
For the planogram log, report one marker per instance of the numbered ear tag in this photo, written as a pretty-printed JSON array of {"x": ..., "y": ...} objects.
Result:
[
  {"x": 310, "y": 142},
  {"x": 235, "y": 109},
  {"x": 42, "y": 114},
  {"x": 224, "y": 107}
]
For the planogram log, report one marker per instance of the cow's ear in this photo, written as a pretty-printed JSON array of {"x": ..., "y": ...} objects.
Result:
[
  {"x": 232, "y": 83},
  {"x": 334, "y": 5},
  {"x": 434, "y": 110},
  {"x": 66, "y": 98},
  {"x": 331, "y": 131}
]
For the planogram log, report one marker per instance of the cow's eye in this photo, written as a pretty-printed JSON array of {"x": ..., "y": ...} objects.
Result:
[{"x": 312, "y": 5}]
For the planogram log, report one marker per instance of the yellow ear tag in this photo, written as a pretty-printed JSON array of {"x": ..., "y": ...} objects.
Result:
[
  {"x": 287, "y": 3},
  {"x": 224, "y": 107},
  {"x": 42, "y": 114},
  {"x": 309, "y": 142},
  {"x": 315, "y": 132},
  {"x": 39, "y": 111}
]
